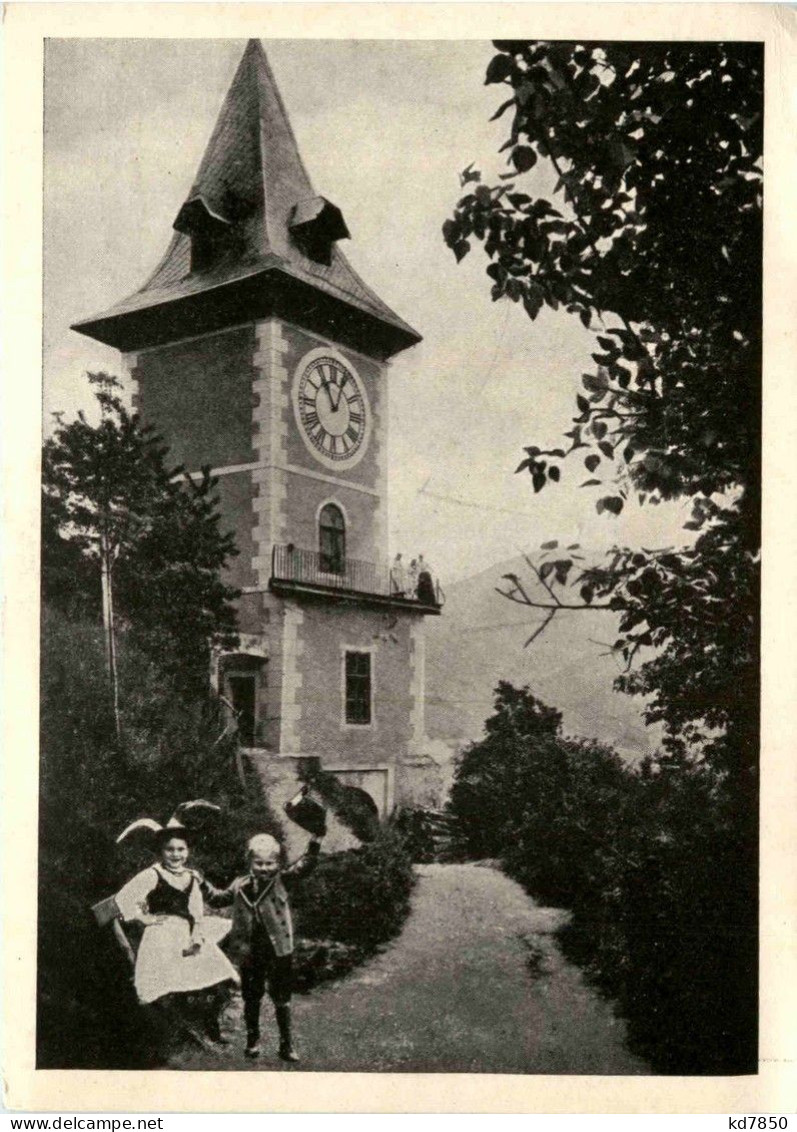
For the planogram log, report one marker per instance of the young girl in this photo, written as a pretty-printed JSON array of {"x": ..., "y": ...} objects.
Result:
[
  {"x": 261, "y": 940},
  {"x": 178, "y": 952}
]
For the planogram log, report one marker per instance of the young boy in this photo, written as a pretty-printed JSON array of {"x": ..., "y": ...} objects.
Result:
[{"x": 261, "y": 938}]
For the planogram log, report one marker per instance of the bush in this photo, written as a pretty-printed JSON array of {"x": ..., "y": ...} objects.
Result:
[
  {"x": 91, "y": 786},
  {"x": 414, "y": 827},
  {"x": 671, "y": 934},
  {"x": 359, "y": 897},
  {"x": 319, "y": 960},
  {"x": 654, "y": 864},
  {"x": 488, "y": 796},
  {"x": 354, "y": 807},
  {"x": 429, "y": 835}
]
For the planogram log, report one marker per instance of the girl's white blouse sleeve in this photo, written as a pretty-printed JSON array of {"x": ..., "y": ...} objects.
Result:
[{"x": 133, "y": 895}]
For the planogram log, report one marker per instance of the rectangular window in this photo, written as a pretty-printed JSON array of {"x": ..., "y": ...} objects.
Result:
[{"x": 358, "y": 687}]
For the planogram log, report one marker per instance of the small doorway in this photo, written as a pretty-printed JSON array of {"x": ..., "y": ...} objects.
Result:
[
  {"x": 243, "y": 695},
  {"x": 244, "y": 684}
]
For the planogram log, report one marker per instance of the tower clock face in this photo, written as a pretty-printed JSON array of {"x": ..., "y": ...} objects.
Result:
[{"x": 332, "y": 411}]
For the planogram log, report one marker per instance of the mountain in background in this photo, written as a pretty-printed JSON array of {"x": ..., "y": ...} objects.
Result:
[{"x": 479, "y": 640}]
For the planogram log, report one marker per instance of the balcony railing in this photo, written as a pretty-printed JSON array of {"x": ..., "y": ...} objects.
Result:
[{"x": 308, "y": 568}]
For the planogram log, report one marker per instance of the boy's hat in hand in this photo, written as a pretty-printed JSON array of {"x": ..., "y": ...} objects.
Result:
[{"x": 307, "y": 812}]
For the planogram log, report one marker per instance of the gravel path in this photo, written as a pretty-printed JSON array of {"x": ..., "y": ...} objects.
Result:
[{"x": 475, "y": 983}]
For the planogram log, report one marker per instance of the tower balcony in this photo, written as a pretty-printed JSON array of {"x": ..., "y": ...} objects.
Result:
[{"x": 295, "y": 571}]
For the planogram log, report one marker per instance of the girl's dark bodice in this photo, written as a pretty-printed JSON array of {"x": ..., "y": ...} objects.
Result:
[{"x": 166, "y": 900}]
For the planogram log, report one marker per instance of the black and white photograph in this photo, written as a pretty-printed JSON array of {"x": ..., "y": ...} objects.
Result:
[{"x": 401, "y": 473}]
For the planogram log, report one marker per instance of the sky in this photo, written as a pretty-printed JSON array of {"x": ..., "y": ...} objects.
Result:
[{"x": 384, "y": 128}]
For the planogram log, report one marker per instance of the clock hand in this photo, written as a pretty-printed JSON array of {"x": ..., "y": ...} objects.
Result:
[
  {"x": 336, "y": 404},
  {"x": 328, "y": 385},
  {"x": 340, "y": 391}
]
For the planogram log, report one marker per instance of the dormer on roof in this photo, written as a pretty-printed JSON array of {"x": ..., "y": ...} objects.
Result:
[
  {"x": 211, "y": 233},
  {"x": 315, "y": 225},
  {"x": 253, "y": 239},
  {"x": 196, "y": 215}
]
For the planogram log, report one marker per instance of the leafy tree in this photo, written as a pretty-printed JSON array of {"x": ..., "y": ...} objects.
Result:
[
  {"x": 91, "y": 785},
  {"x": 646, "y": 861},
  {"x": 536, "y": 799},
  {"x": 652, "y": 237},
  {"x": 487, "y": 797},
  {"x": 70, "y": 579},
  {"x": 110, "y": 484}
]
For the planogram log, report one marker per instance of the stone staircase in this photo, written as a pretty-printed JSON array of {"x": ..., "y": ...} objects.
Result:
[
  {"x": 431, "y": 835},
  {"x": 443, "y": 834}
]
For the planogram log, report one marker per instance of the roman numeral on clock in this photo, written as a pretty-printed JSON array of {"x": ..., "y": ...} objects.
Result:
[{"x": 334, "y": 426}]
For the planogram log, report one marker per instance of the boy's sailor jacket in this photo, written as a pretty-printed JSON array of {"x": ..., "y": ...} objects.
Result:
[{"x": 269, "y": 907}]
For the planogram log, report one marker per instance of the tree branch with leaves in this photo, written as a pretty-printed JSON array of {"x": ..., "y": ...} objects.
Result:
[
  {"x": 652, "y": 238},
  {"x": 110, "y": 493}
]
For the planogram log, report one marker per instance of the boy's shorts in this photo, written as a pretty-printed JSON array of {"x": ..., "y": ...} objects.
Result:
[{"x": 263, "y": 968}]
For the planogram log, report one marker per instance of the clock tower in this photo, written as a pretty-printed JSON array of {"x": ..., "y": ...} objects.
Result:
[{"x": 256, "y": 349}]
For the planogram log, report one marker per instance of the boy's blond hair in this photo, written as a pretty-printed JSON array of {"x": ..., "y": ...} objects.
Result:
[{"x": 262, "y": 845}]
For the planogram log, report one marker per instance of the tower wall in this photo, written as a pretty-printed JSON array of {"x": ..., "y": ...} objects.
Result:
[
  {"x": 198, "y": 394},
  {"x": 228, "y": 399},
  {"x": 224, "y": 399},
  {"x": 235, "y": 504},
  {"x": 325, "y": 632},
  {"x": 362, "y": 489}
]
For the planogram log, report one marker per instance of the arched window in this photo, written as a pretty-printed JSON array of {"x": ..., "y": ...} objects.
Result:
[{"x": 332, "y": 539}]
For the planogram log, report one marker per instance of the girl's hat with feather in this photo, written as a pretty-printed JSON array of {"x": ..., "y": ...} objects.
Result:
[{"x": 155, "y": 835}]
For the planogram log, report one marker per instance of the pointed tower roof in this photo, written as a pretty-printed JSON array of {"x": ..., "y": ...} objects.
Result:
[{"x": 253, "y": 239}]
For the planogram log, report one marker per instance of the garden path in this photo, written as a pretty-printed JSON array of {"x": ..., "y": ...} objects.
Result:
[{"x": 474, "y": 983}]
